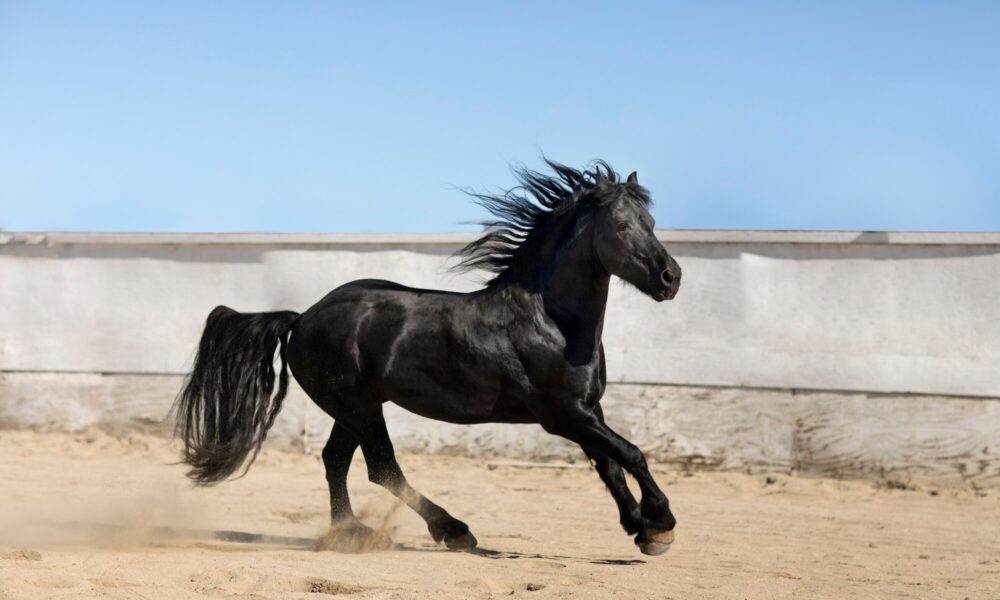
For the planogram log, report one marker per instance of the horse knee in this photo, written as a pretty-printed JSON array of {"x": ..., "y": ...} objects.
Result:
[{"x": 635, "y": 458}]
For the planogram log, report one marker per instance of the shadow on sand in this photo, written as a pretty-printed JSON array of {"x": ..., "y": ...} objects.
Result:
[{"x": 163, "y": 533}]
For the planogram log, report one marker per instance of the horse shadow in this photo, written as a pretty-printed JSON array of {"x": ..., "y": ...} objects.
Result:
[{"x": 163, "y": 533}]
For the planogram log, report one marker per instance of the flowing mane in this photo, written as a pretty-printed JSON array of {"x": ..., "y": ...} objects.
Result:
[{"x": 524, "y": 213}]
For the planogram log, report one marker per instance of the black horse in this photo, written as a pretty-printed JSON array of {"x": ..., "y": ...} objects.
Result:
[{"x": 524, "y": 349}]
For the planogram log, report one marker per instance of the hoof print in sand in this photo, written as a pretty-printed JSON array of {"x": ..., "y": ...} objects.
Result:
[{"x": 318, "y": 585}]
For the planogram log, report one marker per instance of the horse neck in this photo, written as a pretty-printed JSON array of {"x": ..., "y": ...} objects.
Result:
[
  {"x": 576, "y": 285},
  {"x": 571, "y": 284}
]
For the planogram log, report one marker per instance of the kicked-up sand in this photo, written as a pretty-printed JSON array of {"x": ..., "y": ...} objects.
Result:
[{"x": 95, "y": 515}]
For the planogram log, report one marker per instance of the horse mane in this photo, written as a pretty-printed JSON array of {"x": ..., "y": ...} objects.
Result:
[{"x": 523, "y": 214}]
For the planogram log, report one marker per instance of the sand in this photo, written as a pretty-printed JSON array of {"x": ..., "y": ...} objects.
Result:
[{"x": 546, "y": 532}]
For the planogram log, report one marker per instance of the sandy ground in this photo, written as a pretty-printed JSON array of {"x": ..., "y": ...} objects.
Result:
[{"x": 547, "y": 532}]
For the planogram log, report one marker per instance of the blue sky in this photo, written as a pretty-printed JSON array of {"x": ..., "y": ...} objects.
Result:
[{"x": 297, "y": 116}]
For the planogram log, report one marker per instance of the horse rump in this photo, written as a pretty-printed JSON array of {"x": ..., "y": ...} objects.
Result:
[{"x": 229, "y": 401}]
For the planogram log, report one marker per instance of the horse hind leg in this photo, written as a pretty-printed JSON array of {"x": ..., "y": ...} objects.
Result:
[
  {"x": 385, "y": 471},
  {"x": 347, "y": 533},
  {"x": 337, "y": 455}
]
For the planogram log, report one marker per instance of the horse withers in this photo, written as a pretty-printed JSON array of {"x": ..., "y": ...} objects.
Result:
[{"x": 526, "y": 348}]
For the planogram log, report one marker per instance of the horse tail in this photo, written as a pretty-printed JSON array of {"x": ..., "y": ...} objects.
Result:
[{"x": 226, "y": 406}]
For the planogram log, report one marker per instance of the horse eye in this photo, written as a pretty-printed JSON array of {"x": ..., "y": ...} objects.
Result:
[{"x": 622, "y": 226}]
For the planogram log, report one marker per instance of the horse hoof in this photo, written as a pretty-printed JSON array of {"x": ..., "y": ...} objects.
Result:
[
  {"x": 466, "y": 541},
  {"x": 656, "y": 542}
]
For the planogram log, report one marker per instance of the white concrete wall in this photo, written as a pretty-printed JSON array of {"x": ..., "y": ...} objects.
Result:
[
  {"x": 900, "y": 437},
  {"x": 898, "y": 336},
  {"x": 836, "y": 311}
]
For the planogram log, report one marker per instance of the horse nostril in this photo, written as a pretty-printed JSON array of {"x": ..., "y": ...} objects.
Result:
[{"x": 667, "y": 277}]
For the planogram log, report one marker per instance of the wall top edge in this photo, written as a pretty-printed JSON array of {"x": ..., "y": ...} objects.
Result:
[{"x": 687, "y": 236}]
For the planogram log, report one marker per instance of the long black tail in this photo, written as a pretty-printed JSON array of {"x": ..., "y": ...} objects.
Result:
[{"x": 226, "y": 407}]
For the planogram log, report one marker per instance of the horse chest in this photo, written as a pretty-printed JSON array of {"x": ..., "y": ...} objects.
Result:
[
  {"x": 560, "y": 365},
  {"x": 556, "y": 378}
]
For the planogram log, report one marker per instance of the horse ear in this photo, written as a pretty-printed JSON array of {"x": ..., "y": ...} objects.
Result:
[{"x": 633, "y": 178}]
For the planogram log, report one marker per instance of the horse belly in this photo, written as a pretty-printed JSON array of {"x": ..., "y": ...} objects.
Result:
[
  {"x": 441, "y": 406},
  {"x": 444, "y": 393}
]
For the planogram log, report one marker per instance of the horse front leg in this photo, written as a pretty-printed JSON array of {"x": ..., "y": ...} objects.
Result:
[
  {"x": 611, "y": 473},
  {"x": 578, "y": 423}
]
